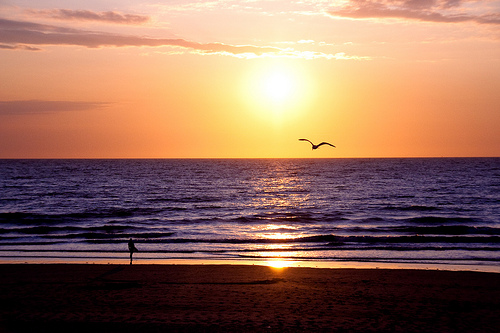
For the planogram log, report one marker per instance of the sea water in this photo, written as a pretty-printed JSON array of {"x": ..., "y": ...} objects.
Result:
[{"x": 442, "y": 211}]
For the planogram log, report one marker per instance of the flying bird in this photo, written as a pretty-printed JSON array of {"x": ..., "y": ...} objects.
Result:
[{"x": 318, "y": 145}]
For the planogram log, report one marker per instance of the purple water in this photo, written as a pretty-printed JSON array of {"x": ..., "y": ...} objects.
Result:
[{"x": 434, "y": 210}]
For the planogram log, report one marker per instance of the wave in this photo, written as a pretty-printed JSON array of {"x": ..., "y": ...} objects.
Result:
[
  {"x": 99, "y": 213},
  {"x": 441, "y": 220},
  {"x": 415, "y": 208},
  {"x": 321, "y": 240},
  {"x": 44, "y": 230},
  {"x": 443, "y": 230},
  {"x": 484, "y": 253}
]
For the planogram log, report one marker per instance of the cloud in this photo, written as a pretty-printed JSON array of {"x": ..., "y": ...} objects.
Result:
[
  {"x": 19, "y": 47},
  {"x": 87, "y": 15},
  {"x": 38, "y": 106},
  {"x": 442, "y": 11},
  {"x": 14, "y": 32},
  {"x": 28, "y": 33}
]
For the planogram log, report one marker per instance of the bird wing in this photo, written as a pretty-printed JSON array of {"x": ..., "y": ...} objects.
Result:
[
  {"x": 326, "y": 143},
  {"x": 307, "y": 141}
]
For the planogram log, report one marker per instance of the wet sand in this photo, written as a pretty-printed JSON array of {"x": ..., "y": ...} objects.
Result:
[{"x": 232, "y": 298}]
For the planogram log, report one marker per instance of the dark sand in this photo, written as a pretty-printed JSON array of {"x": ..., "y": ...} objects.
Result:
[{"x": 226, "y": 298}]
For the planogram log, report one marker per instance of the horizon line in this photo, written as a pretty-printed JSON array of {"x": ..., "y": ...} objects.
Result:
[{"x": 235, "y": 158}]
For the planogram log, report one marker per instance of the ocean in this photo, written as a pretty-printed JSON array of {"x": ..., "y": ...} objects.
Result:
[{"x": 422, "y": 211}]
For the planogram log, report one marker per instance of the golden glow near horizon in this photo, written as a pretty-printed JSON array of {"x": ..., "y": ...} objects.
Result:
[{"x": 222, "y": 79}]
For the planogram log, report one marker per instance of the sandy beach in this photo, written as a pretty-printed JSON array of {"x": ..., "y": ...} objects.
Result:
[{"x": 236, "y": 298}]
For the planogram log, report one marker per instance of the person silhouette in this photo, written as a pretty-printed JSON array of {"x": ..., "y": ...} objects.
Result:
[{"x": 131, "y": 249}]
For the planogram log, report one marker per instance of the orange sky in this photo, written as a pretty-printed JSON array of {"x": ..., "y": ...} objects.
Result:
[{"x": 244, "y": 79}]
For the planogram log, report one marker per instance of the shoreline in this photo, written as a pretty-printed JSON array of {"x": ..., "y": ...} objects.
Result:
[
  {"x": 272, "y": 262},
  {"x": 244, "y": 298}
]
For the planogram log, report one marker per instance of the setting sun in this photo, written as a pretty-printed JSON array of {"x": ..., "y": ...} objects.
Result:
[
  {"x": 278, "y": 87},
  {"x": 277, "y": 92}
]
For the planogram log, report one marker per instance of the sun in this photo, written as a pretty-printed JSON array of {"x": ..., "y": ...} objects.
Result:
[
  {"x": 277, "y": 91},
  {"x": 278, "y": 86}
]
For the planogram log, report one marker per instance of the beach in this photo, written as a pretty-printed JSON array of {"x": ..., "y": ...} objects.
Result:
[{"x": 244, "y": 298}]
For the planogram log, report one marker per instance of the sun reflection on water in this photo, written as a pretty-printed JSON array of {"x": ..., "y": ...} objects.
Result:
[
  {"x": 278, "y": 189},
  {"x": 278, "y": 263},
  {"x": 279, "y": 259},
  {"x": 276, "y": 231},
  {"x": 279, "y": 196},
  {"x": 278, "y": 235}
]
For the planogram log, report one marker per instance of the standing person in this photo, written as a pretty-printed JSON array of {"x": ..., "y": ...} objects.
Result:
[{"x": 131, "y": 249}]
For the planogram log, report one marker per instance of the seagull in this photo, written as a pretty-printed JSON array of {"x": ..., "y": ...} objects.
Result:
[{"x": 317, "y": 146}]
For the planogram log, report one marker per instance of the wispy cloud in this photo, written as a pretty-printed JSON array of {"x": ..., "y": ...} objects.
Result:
[
  {"x": 39, "y": 106},
  {"x": 19, "y": 47},
  {"x": 87, "y": 15},
  {"x": 28, "y": 33},
  {"x": 442, "y": 11},
  {"x": 15, "y": 32}
]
